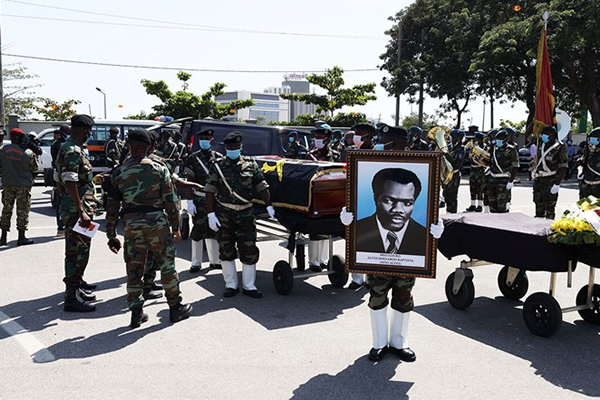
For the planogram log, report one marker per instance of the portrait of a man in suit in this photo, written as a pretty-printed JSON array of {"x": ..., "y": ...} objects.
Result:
[{"x": 391, "y": 229}]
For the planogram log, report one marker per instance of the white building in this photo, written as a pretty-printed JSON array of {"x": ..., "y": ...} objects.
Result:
[{"x": 267, "y": 106}]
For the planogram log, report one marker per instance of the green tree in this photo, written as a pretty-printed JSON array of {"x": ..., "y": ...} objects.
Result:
[
  {"x": 18, "y": 96},
  {"x": 181, "y": 104},
  {"x": 54, "y": 111},
  {"x": 337, "y": 96},
  {"x": 413, "y": 120}
]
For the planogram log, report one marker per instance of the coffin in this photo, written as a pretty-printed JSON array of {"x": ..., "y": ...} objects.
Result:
[{"x": 313, "y": 188}]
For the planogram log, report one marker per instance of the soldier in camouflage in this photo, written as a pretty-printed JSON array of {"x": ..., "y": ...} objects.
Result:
[
  {"x": 415, "y": 141},
  {"x": 17, "y": 168},
  {"x": 455, "y": 155},
  {"x": 589, "y": 169},
  {"x": 229, "y": 190},
  {"x": 295, "y": 149},
  {"x": 141, "y": 191},
  {"x": 477, "y": 178},
  {"x": 78, "y": 205},
  {"x": 198, "y": 166},
  {"x": 504, "y": 163},
  {"x": 550, "y": 167},
  {"x": 113, "y": 148},
  {"x": 171, "y": 149}
]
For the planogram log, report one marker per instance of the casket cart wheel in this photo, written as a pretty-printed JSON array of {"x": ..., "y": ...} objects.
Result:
[
  {"x": 591, "y": 315},
  {"x": 542, "y": 314},
  {"x": 519, "y": 287},
  {"x": 283, "y": 277},
  {"x": 339, "y": 276},
  {"x": 464, "y": 298}
]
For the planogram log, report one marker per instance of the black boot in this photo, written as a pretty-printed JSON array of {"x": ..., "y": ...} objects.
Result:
[
  {"x": 74, "y": 302},
  {"x": 86, "y": 295},
  {"x": 150, "y": 294},
  {"x": 23, "y": 241},
  {"x": 179, "y": 312},
  {"x": 3, "y": 237},
  {"x": 138, "y": 317},
  {"x": 87, "y": 286}
]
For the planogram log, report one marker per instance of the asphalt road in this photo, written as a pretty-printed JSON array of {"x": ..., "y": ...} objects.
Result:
[{"x": 311, "y": 344}]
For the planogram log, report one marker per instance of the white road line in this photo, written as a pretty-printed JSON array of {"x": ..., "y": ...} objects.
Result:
[{"x": 34, "y": 347}]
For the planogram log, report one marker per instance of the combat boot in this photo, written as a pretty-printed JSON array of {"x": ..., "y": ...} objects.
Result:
[
  {"x": 180, "y": 312},
  {"x": 86, "y": 295},
  {"x": 138, "y": 317},
  {"x": 23, "y": 241},
  {"x": 74, "y": 302},
  {"x": 150, "y": 294},
  {"x": 3, "y": 237}
]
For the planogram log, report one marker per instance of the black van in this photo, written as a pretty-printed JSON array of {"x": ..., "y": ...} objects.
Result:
[{"x": 256, "y": 139}]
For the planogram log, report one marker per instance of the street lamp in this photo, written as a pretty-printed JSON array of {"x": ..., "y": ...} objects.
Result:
[{"x": 103, "y": 94}]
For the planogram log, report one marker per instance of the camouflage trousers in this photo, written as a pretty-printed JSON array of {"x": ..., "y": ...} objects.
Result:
[
  {"x": 545, "y": 202},
  {"x": 402, "y": 299},
  {"x": 77, "y": 249},
  {"x": 200, "y": 230},
  {"x": 22, "y": 196},
  {"x": 238, "y": 229},
  {"x": 477, "y": 183},
  {"x": 585, "y": 190},
  {"x": 143, "y": 237},
  {"x": 499, "y": 196},
  {"x": 450, "y": 193}
]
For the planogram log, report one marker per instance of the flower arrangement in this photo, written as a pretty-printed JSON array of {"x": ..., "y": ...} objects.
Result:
[{"x": 579, "y": 224}]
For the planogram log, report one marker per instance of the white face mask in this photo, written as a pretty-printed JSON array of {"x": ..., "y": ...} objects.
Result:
[
  {"x": 319, "y": 143},
  {"x": 357, "y": 139}
]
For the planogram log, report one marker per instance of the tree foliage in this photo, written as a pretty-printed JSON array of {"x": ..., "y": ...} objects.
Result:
[
  {"x": 19, "y": 98},
  {"x": 181, "y": 104},
  {"x": 52, "y": 110},
  {"x": 339, "y": 119},
  {"x": 413, "y": 120},
  {"x": 337, "y": 96}
]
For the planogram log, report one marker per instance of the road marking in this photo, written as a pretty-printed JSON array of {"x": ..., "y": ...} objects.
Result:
[{"x": 34, "y": 347}]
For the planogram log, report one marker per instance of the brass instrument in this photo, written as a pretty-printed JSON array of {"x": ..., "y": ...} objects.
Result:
[
  {"x": 479, "y": 157},
  {"x": 439, "y": 136}
]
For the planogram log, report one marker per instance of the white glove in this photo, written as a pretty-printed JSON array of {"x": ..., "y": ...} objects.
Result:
[
  {"x": 436, "y": 230},
  {"x": 271, "y": 212},
  {"x": 346, "y": 217},
  {"x": 213, "y": 222},
  {"x": 191, "y": 207},
  {"x": 554, "y": 189},
  {"x": 509, "y": 185},
  {"x": 580, "y": 172}
]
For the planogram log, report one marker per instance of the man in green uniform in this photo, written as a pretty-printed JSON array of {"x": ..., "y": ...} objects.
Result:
[
  {"x": 17, "y": 168},
  {"x": 142, "y": 191},
  {"x": 455, "y": 155},
  {"x": 589, "y": 170},
  {"x": 415, "y": 141},
  {"x": 477, "y": 179},
  {"x": 113, "y": 148},
  {"x": 504, "y": 164},
  {"x": 198, "y": 166},
  {"x": 295, "y": 149},
  {"x": 77, "y": 206},
  {"x": 229, "y": 191},
  {"x": 550, "y": 168}
]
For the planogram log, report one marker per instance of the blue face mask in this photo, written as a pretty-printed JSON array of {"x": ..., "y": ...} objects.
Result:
[
  {"x": 291, "y": 140},
  {"x": 379, "y": 146},
  {"x": 205, "y": 144},
  {"x": 234, "y": 154},
  {"x": 499, "y": 142},
  {"x": 594, "y": 141},
  {"x": 545, "y": 138}
]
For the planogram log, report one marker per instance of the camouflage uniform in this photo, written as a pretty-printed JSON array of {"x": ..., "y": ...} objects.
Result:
[
  {"x": 113, "y": 150},
  {"x": 419, "y": 145},
  {"x": 551, "y": 157},
  {"x": 477, "y": 179},
  {"x": 502, "y": 161},
  {"x": 296, "y": 150},
  {"x": 17, "y": 166},
  {"x": 325, "y": 154},
  {"x": 71, "y": 164},
  {"x": 144, "y": 189},
  {"x": 455, "y": 156},
  {"x": 590, "y": 184},
  {"x": 173, "y": 153}
]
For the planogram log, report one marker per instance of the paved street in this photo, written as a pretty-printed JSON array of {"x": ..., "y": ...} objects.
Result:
[{"x": 311, "y": 344}]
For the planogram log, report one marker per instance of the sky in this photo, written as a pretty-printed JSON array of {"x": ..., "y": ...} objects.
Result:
[{"x": 278, "y": 37}]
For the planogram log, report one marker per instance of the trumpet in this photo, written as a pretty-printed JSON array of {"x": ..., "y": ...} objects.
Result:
[{"x": 439, "y": 136}]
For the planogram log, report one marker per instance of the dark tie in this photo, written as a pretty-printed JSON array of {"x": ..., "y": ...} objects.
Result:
[{"x": 391, "y": 237}]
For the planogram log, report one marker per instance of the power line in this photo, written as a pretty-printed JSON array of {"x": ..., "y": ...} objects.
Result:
[
  {"x": 204, "y": 27},
  {"x": 175, "y": 68}
]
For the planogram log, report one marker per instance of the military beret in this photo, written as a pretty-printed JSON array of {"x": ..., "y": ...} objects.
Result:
[
  {"x": 337, "y": 132},
  {"x": 365, "y": 127},
  {"x": 394, "y": 131},
  {"x": 459, "y": 132},
  {"x": 114, "y": 130},
  {"x": 510, "y": 131},
  {"x": 233, "y": 138},
  {"x": 293, "y": 134},
  {"x": 16, "y": 131},
  {"x": 318, "y": 123},
  {"x": 323, "y": 130},
  {"x": 493, "y": 132},
  {"x": 549, "y": 129},
  {"x": 139, "y": 135},
  {"x": 416, "y": 129},
  {"x": 206, "y": 132},
  {"x": 479, "y": 135},
  {"x": 65, "y": 129},
  {"x": 595, "y": 131},
  {"x": 502, "y": 133},
  {"x": 154, "y": 136},
  {"x": 82, "y": 120}
]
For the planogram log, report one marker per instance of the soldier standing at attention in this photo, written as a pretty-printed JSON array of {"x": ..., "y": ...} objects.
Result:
[
  {"x": 229, "y": 191},
  {"x": 198, "y": 166},
  {"x": 477, "y": 178},
  {"x": 113, "y": 148},
  {"x": 455, "y": 155},
  {"x": 549, "y": 171},
  {"x": 17, "y": 168},
  {"x": 295, "y": 149},
  {"x": 504, "y": 163},
  {"x": 143, "y": 191},
  {"x": 590, "y": 166},
  {"x": 78, "y": 206},
  {"x": 415, "y": 141}
]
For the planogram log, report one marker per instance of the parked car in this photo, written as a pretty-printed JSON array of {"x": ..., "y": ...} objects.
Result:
[{"x": 524, "y": 158}]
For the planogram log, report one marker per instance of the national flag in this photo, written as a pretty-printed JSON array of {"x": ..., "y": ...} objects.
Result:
[{"x": 545, "y": 113}]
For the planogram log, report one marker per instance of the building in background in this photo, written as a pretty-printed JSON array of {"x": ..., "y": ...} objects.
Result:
[
  {"x": 268, "y": 107},
  {"x": 297, "y": 83}
]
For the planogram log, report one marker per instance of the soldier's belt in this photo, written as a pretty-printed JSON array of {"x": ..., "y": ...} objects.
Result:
[
  {"x": 139, "y": 210},
  {"x": 543, "y": 174},
  {"x": 199, "y": 193},
  {"x": 236, "y": 207},
  {"x": 592, "y": 182},
  {"x": 502, "y": 175}
]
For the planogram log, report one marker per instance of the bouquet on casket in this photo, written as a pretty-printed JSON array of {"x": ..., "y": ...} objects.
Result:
[{"x": 579, "y": 225}]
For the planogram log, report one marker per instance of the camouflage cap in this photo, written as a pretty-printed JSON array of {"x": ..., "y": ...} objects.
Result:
[{"x": 233, "y": 138}]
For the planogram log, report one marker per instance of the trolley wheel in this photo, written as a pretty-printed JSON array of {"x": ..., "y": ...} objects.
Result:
[
  {"x": 591, "y": 315},
  {"x": 519, "y": 287},
  {"x": 542, "y": 314},
  {"x": 464, "y": 298},
  {"x": 339, "y": 276},
  {"x": 283, "y": 277}
]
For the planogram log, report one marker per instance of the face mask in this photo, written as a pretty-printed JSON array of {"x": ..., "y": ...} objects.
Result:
[
  {"x": 291, "y": 140},
  {"x": 545, "y": 138},
  {"x": 379, "y": 146},
  {"x": 319, "y": 143},
  {"x": 357, "y": 139},
  {"x": 499, "y": 142},
  {"x": 594, "y": 141},
  {"x": 205, "y": 144},
  {"x": 234, "y": 154},
  {"x": 569, "y": 143},
  {"x": 415, "y": 138}
]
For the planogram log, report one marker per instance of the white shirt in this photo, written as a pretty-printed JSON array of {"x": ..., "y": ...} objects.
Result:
[{"x": 384, "y": 233}]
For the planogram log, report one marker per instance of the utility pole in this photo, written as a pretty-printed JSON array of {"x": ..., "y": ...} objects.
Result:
[
  {"x": 421, "y": 84},
  {"x": 399, "y": 58},
  {"x": 1, "y": 79}
]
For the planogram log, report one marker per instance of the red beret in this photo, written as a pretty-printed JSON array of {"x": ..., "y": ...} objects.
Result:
[{"x": 16, "y": 131}]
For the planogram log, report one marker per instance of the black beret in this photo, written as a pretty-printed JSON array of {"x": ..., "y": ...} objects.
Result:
[
  {"x": 293, "y": 133},
  {"x": 114, "y": 130},
  {"x": 65, "y": 129},
  {"x": 365, "y": 127},
  {"x": 233, "y": 138},
  {"x": 501, "y": 133},
  {"x": 416, "y": 129},
  {"x": 139, "y": 135},
  {"x": 206, "y": 132},
  {"x": 82, "y": 120},
  {"x": 595, "y": 131},
  {"x": 549, "y": 129},
  {"x": 394, "y": 131},
  {"x": 154, "y": 136}
]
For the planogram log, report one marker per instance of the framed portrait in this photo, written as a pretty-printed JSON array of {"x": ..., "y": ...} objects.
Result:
[{"x": 394, "y": 196}]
